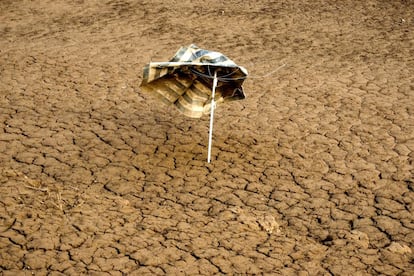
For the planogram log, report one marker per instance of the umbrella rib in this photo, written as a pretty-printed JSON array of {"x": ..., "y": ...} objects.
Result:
[{"x": 219, "y": 78}]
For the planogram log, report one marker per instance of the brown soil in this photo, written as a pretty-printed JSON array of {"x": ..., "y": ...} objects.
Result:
[{"x": 312, "y": 174}]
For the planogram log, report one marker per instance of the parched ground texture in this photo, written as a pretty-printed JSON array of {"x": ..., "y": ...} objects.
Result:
[{"x": 312, "y": 174}]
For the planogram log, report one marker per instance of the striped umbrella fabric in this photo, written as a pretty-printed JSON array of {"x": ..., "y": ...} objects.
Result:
[{"x": 186, "y": 80}]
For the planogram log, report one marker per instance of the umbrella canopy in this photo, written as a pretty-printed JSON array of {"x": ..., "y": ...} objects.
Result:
[{"x": 186, "y": 81}]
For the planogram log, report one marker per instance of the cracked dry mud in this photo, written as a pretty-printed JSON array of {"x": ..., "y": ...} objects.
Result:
[{"x": 312, "y": 174}]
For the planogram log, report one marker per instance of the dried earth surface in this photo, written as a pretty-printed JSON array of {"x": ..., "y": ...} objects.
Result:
[{"x": 312, "y": 173}]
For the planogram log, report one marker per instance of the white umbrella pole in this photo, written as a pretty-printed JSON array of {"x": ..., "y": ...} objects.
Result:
[{"x": 213, "y": 105}]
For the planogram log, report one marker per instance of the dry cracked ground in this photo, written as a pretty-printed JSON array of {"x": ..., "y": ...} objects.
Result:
[{"x": 312, "y": 174}]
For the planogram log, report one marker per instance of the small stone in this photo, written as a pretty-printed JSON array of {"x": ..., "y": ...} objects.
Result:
[{"x": 269, "y": 224}]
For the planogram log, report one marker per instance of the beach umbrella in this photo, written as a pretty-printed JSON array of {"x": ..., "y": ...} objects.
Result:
[{"x": 195, "y": 81}]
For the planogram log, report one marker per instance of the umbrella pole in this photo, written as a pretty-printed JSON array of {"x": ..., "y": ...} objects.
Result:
[{"x": 213, "y": 105}]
